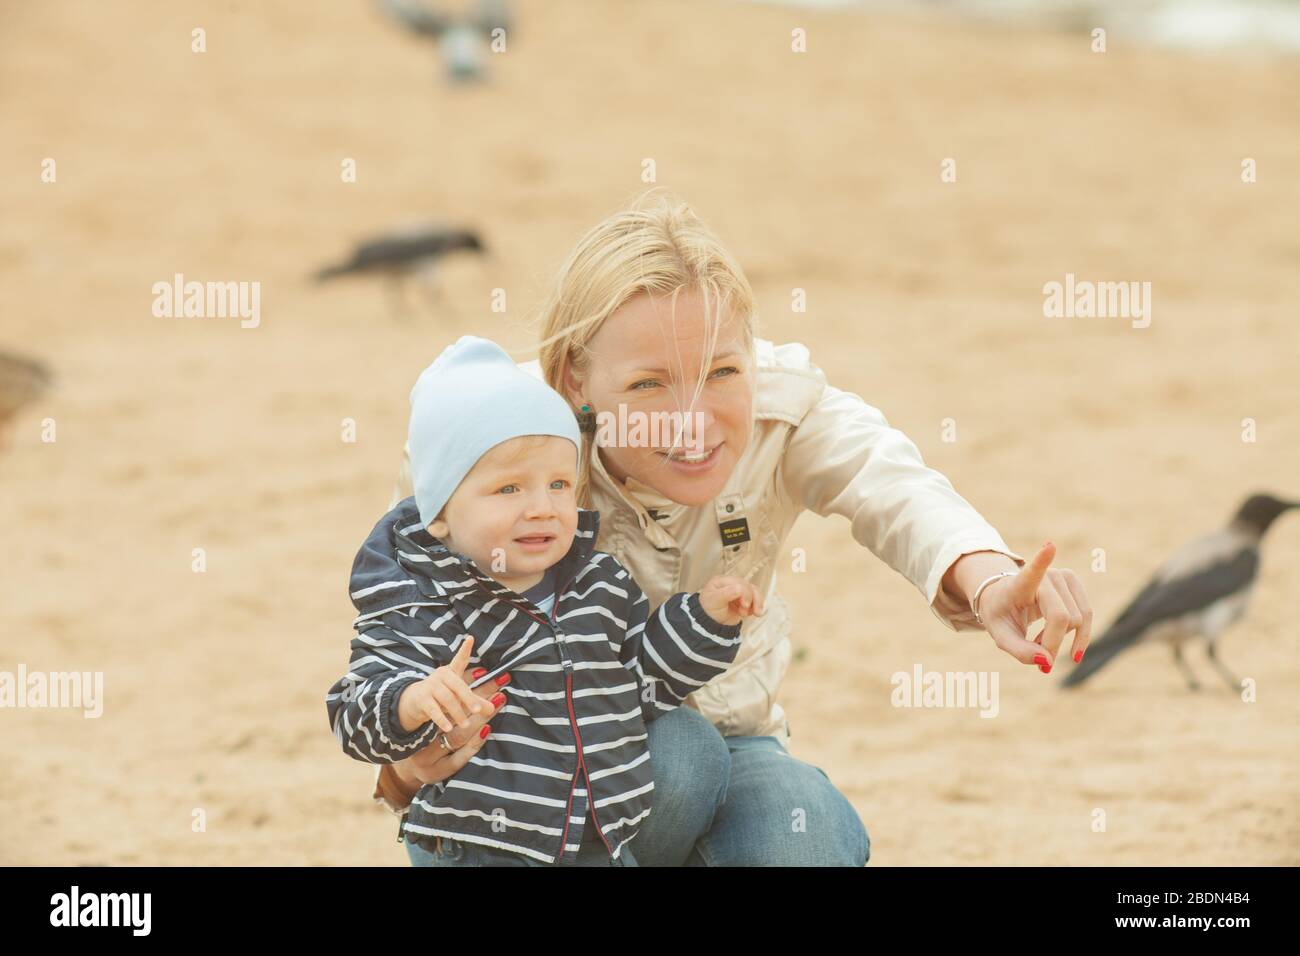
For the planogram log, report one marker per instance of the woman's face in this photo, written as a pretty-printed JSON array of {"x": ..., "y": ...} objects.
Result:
[{"x": 650, "y": 365}]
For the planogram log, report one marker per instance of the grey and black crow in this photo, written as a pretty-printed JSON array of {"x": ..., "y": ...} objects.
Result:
[
  {"x": 399, "y": 255},
  {"x": 1195, "y": 595},
  {"x": 460, "y": 37}
]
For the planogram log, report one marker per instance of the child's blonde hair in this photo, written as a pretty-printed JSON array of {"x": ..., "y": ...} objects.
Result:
[{"x": 655, "y": 245}]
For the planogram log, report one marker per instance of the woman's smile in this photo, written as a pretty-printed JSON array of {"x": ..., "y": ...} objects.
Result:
[{"x": 690, "y": 463}]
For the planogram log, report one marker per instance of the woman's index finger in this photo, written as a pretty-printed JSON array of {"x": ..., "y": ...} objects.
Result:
[{"x": 1031, "y": 575}]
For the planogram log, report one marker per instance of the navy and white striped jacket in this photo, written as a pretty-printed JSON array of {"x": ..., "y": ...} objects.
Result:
[{"x": 571, "y": 737}]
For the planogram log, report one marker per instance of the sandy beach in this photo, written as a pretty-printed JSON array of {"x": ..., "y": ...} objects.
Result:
[{"x": 821, "y": 171}]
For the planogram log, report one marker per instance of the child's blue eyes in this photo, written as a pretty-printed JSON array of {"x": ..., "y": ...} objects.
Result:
[{"x": 558, "y": 481}]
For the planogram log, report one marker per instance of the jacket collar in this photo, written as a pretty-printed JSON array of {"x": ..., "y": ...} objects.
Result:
[
  {"x": 637, "y": 497},
  {"x": 441, "y": 573}
]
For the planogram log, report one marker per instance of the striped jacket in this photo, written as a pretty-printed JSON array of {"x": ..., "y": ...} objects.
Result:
[{"x": 571, "y": 738}]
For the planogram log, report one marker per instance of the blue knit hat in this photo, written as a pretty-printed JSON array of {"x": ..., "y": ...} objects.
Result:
[{"x": 472, "y": 398}]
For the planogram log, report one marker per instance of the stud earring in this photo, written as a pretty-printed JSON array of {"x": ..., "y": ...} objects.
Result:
[{"x": 586, "y": 420}]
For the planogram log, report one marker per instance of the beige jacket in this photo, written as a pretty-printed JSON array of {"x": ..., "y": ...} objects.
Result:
[{"x": 813, "y": 447}]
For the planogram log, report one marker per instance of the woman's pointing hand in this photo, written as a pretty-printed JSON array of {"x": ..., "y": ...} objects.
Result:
[{"x": 1010, "y": 605}]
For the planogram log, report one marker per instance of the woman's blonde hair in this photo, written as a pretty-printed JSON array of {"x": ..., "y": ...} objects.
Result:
[{"x": 655, "y": 245}]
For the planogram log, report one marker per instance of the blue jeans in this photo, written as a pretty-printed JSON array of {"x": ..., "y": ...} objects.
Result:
[
  {"x": 780, "y": 811},
  {"x": 732, "y": 801}
]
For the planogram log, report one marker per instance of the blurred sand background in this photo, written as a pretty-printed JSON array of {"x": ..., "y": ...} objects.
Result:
[{"x": 821, "y": 171}]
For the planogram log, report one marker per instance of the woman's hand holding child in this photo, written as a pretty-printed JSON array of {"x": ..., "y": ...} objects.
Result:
[{"x": 442, "y": 697}]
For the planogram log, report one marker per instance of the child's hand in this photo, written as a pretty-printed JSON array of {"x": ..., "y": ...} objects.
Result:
[
  {"x": 442, "y": 697},
  {"x": 727, "y": 599}
]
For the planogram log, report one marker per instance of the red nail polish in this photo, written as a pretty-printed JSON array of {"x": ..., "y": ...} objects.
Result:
[
  {"x": 498, "y": 700},
  {"x": 1040, "y": 659},
  {"x": 1078, "y": 656},
  {"x": 1045, "y": 668},
  {"x": 484, "y": 732},
  {"x": 479, "y": 673},
  {"x": 503, "y": 680}
]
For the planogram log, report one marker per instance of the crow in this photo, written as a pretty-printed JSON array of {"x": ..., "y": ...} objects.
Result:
[
  {"x": 399, "y": 255},
  {"x": 1200, "y": 591}
]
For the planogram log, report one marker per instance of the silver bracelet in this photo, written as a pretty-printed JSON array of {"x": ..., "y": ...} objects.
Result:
[{"x": 974, "y": 601}]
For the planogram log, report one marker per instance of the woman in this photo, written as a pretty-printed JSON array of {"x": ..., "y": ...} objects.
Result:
[{"x": 651, "y": 316}]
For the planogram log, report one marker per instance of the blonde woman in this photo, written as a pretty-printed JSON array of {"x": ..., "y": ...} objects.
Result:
[{"x": 652, "y": 316}]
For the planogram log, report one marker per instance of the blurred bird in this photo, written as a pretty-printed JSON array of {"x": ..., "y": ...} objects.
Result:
[
  {"x": 22, "y": 381},
  {"x": 462, "y": 39},
  {"x": 1198, "y": 593},
  {"x": 405, "y": 253}
]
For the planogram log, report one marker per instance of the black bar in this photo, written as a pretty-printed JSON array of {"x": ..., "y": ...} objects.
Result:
[{"x": 340, "y": 905}]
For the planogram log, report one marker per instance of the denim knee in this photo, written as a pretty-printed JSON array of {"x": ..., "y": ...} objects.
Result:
[
  {"x": 690, "y": 759},
  {"x": 861, "y": 853},
  {"x": 782, "y": 811},
  {"x": 691, "y": 766},
  {"x": 858, "y": 848},
  {"x": 853, "y": 844}
]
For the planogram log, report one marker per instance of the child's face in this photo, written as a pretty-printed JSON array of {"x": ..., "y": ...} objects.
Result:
[{"x": 515, "y": 513}]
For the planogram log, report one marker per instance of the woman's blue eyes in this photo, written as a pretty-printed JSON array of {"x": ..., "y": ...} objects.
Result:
[{"x": 636, "y": 386}]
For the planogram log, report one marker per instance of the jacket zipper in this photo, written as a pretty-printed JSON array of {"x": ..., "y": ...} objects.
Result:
[
  {"x": 573, "y": 723},
  {"x": 581, "y": 768}
]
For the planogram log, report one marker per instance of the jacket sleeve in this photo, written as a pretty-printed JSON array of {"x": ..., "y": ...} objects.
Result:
[
  {"x": 844, "y": 458},
  {"x": 362, "y": 704},
  {"x": 386, "y": 654},
  {"x": 675, "y": 650}
]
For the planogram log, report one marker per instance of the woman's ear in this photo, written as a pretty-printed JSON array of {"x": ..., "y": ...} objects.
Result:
[{"x": 572, "y": 387}]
